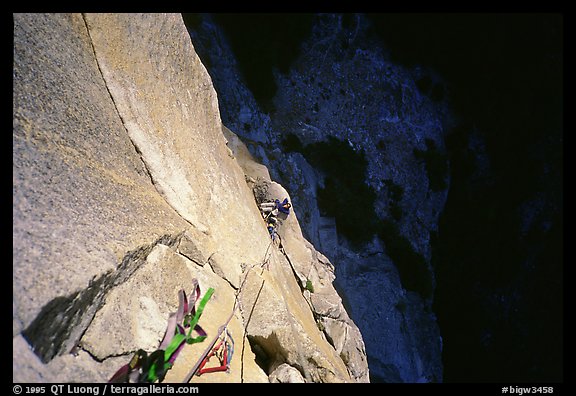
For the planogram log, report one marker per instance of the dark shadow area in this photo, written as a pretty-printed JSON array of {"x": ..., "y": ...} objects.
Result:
[
  {"x": 262, "y": 42},
  {"x": 346, "y": 197},
  {"x": 60, "y": 324},
  {"x": 498, "y": 265},
  {"x": 411, "y": 265},
  {"x": 499, "y": 297},
  {"x": 436, "y": 165}
]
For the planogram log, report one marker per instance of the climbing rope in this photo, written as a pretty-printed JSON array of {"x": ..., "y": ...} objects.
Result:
[
  {"x": 149, "y": 368},
  {"x": 211, "y": 346}
]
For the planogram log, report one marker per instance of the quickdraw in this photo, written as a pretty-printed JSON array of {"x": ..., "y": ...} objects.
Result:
[
  {"x": 149, "y": 368},
  {"x": 224, "y": 328},
  {"x": 223, "y": 351}
]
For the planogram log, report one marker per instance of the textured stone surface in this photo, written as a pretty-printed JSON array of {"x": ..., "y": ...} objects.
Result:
[
  {"x": 312, "y": 266},
  {"x": 168, "y": 104},
  {"x": 126, "y": 188},
  {"x": 343, "y": 84},
  {"x": 240, "y": 106},
  {"x": 282, "y": 324},
  {"x": 307, "y": 264},
  {"x": 81, "y": 195},
  {"x": 286, "y": 374},
  {"x": 245, "y": 159},
  {"x": 27, "y": 367},
  {"x": 134, "y": 314}
]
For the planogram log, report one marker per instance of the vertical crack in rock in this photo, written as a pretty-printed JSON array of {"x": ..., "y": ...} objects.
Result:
[
  {"x": 153, "y": 180},
  {"x": 300, "y": 355},
  {"x": 62, "y": 321},
  {"x": 116, "y": 108},
  {"x": 294, "y": 272},
  {"x": 259, "y": 353}
]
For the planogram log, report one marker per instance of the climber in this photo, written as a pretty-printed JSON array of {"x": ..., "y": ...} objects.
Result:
[
  {"x": 284, "y": 207},
  {"x": 272, "y": 208},
  {"x": 271, "y": 226},
  {"x": 269, "y": 207}
]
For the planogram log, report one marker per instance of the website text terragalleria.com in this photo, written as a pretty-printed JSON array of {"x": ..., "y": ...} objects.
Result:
[
  {"x": 138, "y": 389},
  {"x": 102, "y": 390}
]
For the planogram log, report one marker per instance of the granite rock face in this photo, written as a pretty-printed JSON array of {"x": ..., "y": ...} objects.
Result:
[
  {"x": 343, "y": 88},
  {"x": 125, "y": 189}
]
